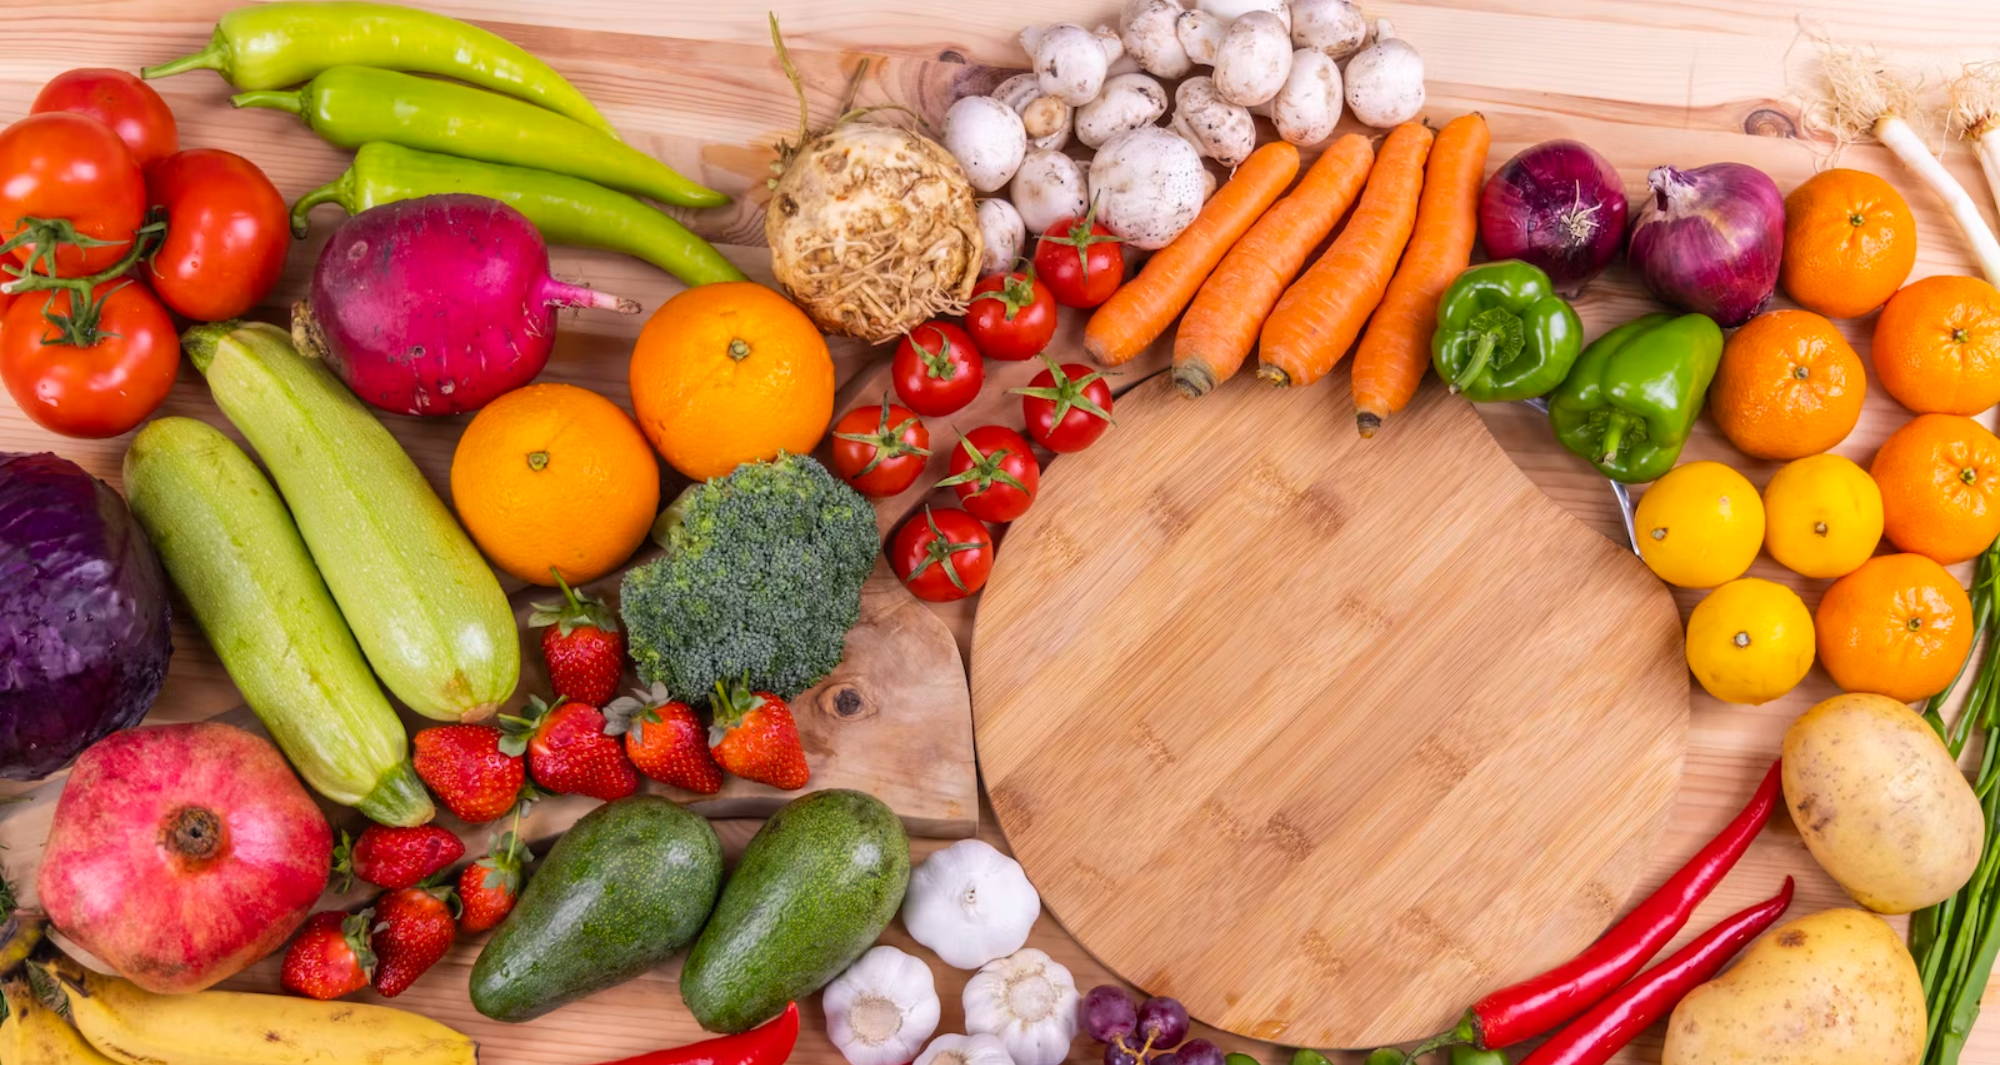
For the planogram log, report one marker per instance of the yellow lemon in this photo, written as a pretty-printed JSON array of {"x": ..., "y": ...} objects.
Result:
[
  {"x": 1822, "y": 516},
  {"x": 1700, "y": 525},
  {"x": 1750, "y": 641}
]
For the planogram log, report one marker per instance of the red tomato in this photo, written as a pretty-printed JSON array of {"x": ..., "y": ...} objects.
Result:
[
  {"x": 59, "y": 165},
  {"x": 101, "y": 389},
  {"x": 119, "y": 100},
  {"x": 1012, "y": 316},
  {"x": 942, "y": 554},
  {"x": 995, "y": 474},
  {"x": 880, "y": 449},
  {"x": 1081, "y": 261},
  {"x": 226, "y": 236},
  {"x": 937, "y": 369},
  {"x": 1067, "y": 407}
]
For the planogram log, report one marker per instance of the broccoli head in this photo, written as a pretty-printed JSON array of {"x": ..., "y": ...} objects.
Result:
[{"x": 761, "y": 577}]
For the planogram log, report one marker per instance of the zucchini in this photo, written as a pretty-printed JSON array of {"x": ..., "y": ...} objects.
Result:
[
  {"x": 423, "y": 604},
  {"x": 237, "y": 559}
]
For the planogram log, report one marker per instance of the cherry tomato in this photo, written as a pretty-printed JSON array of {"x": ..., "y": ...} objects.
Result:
[
  {"x": 995, "y": 474},
  {"x": 104, "y": 388},
  {"x": 1012, "y": 316},
  {"x": 1081, "y": 261},
  {"x": 942, "y": 554},
  {"x": 119, "y": 100},
  {"x": 60, "y": 165},
  {"x": 1067, "y": 407},
  {"x": 937, "y": 369},
  {"x": 227, "y": 233},
  {"x": 880, "y": 449}
]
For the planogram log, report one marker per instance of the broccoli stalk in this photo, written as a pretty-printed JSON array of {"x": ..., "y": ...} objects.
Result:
[{"x": 761, "y": 579}]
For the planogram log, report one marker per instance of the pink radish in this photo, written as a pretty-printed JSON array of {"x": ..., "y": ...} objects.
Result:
[{"x": 437, "y": 305}]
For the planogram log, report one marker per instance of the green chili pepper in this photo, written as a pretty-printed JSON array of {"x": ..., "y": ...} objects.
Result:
[
  {"x": 566, "y": 209},
  {"x": 1386, "y": 1056},
  {"x": 273, "y": 46},
  {"x": 350, "y": 106},
  {"x": 1634, "y": 394},
  {"x": 1471, "y": 1055},
  {"x": 1301, "y": 1056},
  {"x": 1503, "y": 334}
]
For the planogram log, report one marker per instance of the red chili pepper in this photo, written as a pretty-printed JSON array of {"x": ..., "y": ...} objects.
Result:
[
  {"x": 1539, "y": 1003},
  {"x": 769, "y": 1043},
  {"x": 1592, "y": 1038}
]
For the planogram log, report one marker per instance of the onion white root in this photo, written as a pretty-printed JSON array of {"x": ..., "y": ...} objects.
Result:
[{"x": 1975, "y": 116}]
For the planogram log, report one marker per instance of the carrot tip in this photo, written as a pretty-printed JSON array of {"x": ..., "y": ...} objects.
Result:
[
  {"x": 1275, "y": 376},
  {"x": 1367, "y": 422},
  {"x": 1193, "y": 380}
]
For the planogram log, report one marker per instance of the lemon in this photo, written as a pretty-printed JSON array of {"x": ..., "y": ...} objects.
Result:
[
  {"x": 1750, "y": 641},
  {"x": 1700, "y": 525},
  {"x": 1822, "y": 516}
]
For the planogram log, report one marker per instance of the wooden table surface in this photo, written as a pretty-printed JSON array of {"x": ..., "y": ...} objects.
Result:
[{"x": 1644, "y": 81}]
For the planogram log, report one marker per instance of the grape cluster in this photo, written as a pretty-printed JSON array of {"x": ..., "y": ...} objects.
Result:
[{"x": 1153, "y": 1032}]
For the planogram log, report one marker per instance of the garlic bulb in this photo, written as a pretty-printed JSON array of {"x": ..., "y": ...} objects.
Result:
[
  {"x": 880, "y": 1011},
  {"x": 965, "y": 1050},
  {"x": 1029, "y": 1001},
  {"x": 970, "y": 904}
]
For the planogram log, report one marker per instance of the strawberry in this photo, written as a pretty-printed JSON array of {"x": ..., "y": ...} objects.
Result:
[
  {"x": 665, "y": 740},
  {"x": 584, "y": 650},
  {"x": 396, "y": 857},
  {"x": 568, "y": 752},
  {"x": 467, "y": 771},
  {"x": 413, "y": 929},
  {"x": 488, "y": 887},
  {"x": 330, "y": 957},
  {"x": 755, "y": 737}
]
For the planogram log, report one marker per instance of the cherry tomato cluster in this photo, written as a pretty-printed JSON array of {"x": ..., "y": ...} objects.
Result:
[
  {"x": 105, "y": 228},
  {"x": 946, "y": 553}
]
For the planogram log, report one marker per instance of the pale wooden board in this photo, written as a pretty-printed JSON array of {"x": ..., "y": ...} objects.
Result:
[{"x": 1645, "y": 81}]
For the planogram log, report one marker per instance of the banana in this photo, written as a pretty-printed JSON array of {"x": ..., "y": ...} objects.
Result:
[
  {"x": 34, "y": 1034},
  {"x": 136, "y": 1027}
]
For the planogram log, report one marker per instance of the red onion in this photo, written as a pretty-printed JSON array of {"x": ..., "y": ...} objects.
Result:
[
  {"x": 1708, "y": 239},
  {"x": 1558, "y": 205}
]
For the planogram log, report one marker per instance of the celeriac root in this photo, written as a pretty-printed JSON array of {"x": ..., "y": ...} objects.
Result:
[{"x": 1975, "y": 116}]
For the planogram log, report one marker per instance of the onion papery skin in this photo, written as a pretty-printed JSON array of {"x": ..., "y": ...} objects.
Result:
[
  {"x": 1558, "y": 205},
  {"x": 1710, "y": 239}
]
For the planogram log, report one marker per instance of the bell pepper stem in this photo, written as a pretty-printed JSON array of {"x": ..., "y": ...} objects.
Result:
[
  {"x": 1481, "y": 355},
  {"x": 209, "y": 58},
  {"x": 1614, "y": 435},
  {"x": 290, "y": 101}
]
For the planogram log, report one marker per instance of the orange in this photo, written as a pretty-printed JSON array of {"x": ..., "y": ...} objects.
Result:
[
  {"x": 1940, "y": 481},
  {"x": 555, "y": 476},
  {"x": 1899, "y": 626},
  {"x": 1788, "y": 386},
  {"x": 730, "y": 373},
  {"x": 1849, "y": 241},
  {"x": 1937, "y": 346}
]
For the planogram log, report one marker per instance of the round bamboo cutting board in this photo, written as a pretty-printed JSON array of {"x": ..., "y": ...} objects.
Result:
[{"x": 1320, "y": 735}]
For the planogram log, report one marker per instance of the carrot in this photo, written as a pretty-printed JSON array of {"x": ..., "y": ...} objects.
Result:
[
  {"x": 1321, "y": 314},
  {"x": 1395, "y": 352},
  {"x": 1143, "y": 307},
  {"x": 1220, "y": 327}
]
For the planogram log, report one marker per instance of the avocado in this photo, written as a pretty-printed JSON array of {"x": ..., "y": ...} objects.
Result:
[
  {"x": 816, "y": 886},
  {"x": 626, "y": 887}
]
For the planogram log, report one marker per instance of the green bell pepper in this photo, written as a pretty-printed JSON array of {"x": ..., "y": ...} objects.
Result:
[
  {"x": 1633, "y": 396},
  {"x": 1503, "y": 334}
]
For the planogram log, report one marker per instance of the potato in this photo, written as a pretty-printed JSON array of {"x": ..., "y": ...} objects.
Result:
[
  {"x": 1835, "y": 988},
  {"x": 1880, "y": 803}
]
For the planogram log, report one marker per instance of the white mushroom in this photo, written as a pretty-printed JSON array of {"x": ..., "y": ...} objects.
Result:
[
  {"x": 1047, "y": 189},
  {"x": 1003, "y": 235},
  {"x": 1231, "y": 10},
  {"x": 1307, "y": 108},
  {"x": 1147, "y": 27},
  {"x": 1255, "y": 56},
  {"x": 1200, "y": 34},
  {"x": 1336, "y": 27},
  {"x": 1218, "y": 129},
  {"x": 1147, "y": 184},
  {"x": 1044, "y": 118},
  {"x": 1129, "y": 101},
  {"x": 1115, "y": 61},
  {"x": 987, "y": 139},
  {"x": 1069, "y": 60},
  {"x": 1385, "y": 81}
]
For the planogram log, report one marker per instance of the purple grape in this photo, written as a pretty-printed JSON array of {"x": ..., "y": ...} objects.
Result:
[
  {"x": 1117, "y": 1053},
  {"x": 1107, "y": 1013},
  {"x": 1163, "y": 1022},
  {"x": 1168, "y": 1058},
  {"x": 1199, "y": 1052}
]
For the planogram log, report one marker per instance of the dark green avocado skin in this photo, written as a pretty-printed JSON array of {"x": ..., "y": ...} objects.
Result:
[
  {"x": 619, "y": 893},
  {"x": 816, "y": 886}
]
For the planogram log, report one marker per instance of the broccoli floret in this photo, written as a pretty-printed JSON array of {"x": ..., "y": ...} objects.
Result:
[{"x": 762, "y": 576}]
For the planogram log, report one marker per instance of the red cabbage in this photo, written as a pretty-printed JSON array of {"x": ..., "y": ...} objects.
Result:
[{"x": 83, "y": 615}]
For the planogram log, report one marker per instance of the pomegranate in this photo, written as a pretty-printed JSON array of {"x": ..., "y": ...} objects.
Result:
[{"x": 182, "y": 853}]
